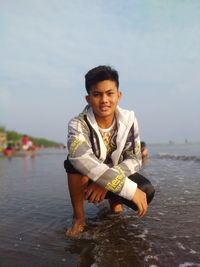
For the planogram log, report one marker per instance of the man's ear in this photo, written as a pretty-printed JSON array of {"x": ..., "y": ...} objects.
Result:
[
  {"x": 120, "y": 94},
  {"x": 87, "y": 98}
]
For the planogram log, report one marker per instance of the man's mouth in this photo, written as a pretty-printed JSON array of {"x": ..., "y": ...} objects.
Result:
[{"x": 104, "y": 108}]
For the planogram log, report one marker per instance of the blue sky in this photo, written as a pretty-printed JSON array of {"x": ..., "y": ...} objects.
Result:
[{"x": 47, "y": 46}]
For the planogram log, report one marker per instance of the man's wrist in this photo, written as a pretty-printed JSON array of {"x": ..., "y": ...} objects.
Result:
[{"x": 128, "y": 189}]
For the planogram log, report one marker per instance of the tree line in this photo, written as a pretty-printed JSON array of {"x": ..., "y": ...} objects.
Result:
[{"x": 15, "y": 137}]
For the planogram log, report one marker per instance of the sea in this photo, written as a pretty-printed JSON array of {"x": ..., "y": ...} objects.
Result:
[{"x": 35, "y": 211}]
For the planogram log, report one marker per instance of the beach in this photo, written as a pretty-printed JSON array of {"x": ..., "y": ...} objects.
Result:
[{"x": 35, "y": 211}]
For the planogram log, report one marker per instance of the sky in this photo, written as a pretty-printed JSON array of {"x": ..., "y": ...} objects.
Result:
[{"x": 47, "y": 47}]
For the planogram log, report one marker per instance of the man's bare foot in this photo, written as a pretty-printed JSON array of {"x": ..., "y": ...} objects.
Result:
[
  {"x": 78, "y": 226},
  {"x": 115, "y": 206}
]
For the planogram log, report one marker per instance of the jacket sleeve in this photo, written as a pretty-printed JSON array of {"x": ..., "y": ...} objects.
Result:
[{"x": 84, "y": 160}]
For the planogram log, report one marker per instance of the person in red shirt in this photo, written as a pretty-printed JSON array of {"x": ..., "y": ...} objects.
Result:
[{"x": 25, "y": 141}]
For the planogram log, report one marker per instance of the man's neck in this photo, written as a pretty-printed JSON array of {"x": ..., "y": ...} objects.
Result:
[{"x": 105, "y": 123}]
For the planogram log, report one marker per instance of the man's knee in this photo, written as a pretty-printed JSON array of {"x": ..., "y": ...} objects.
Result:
[
  {"x": 150, "y": 192},
  {"x": 148, "y": 188},
  {"x": 77, "y": 179},
  {"x": 144, "y": 184}
]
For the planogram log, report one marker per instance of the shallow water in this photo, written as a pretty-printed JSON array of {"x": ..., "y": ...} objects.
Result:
[{"x": 35, "y": 209}]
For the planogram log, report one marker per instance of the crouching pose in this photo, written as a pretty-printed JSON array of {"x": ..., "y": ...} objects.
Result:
[{"x": 104, "y": 152}]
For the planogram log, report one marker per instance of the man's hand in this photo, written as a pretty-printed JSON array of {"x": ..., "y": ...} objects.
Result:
[
  {"x": 140, "y": 200},
  {"x": 95, "y": 193}
]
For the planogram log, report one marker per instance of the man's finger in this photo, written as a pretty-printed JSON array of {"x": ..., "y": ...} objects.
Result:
[
  {"x": 91, "y": 198},
  {"x": 144, "y": 209},
  {"x": 140, "y": 209},
  {"x": 94, "y": 197},
  {"x": 102, "y": 197},
  {"x": 87, "y": 194}
]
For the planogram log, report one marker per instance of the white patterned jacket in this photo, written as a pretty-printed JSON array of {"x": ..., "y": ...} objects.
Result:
[{"x": 87, "y": 151}]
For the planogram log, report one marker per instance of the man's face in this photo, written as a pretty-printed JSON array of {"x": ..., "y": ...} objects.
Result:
[{"x": 103, "y": 98}]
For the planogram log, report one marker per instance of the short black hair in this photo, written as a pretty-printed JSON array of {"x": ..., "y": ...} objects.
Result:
[
  {"x": 99, "y": 74},
  {"x": 143, "y": 144}
]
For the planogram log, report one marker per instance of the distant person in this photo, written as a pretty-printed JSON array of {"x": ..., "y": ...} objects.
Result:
[
  {"x": 25, "y": 142},
  {"x": 144, "y": 151},
  {"x": 9, "y": 150},
  {"x": 32, "y": 149},
  {"x": 104, "y": 152},
  {"x": 30, "y": 144},
  {"x": 18, "y": 146}
]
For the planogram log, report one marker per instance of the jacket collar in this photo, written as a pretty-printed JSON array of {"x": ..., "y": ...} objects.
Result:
[{"x": 125, "y": 120}]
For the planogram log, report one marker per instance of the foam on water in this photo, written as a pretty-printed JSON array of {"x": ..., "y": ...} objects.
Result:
[
  {"x": 189, "y": 264},
  {"x": 178, "y": 157}
]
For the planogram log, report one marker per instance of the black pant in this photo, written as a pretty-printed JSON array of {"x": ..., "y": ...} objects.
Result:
[{"x": 142, "y": 184}]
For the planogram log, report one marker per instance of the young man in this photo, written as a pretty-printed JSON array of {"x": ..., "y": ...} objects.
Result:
[{"x": 104, "y": 152}]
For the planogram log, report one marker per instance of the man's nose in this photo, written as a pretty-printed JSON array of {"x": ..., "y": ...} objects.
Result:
[{"x": 104, "y": 98}]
